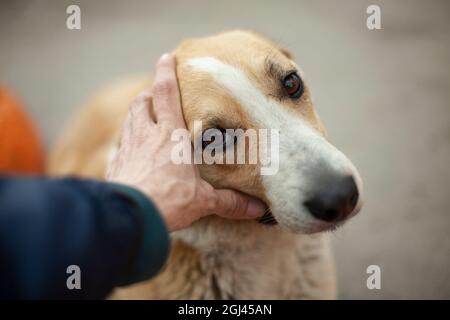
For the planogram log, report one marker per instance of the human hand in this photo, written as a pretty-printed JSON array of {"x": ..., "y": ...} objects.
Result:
[{"x": 144, "y": 160}]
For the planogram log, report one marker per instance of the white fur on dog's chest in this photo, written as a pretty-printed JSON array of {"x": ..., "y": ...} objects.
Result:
[
  {"x": 271, "y": 265},
  {"x": 216, "y": 259}
]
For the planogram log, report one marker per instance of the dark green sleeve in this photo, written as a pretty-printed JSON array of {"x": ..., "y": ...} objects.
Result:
[
  {"x": 112, "y": 233},
  {"x": 154, "y": 240}
]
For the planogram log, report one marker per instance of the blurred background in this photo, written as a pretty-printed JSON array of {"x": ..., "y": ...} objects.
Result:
[{"x": 384, "y": 96}]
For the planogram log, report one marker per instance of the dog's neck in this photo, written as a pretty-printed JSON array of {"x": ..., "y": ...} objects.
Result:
[
  {"x": 213, "y": 235},
  {"x": 226, "y": 259},
  {"x": 235, "y": 256}
]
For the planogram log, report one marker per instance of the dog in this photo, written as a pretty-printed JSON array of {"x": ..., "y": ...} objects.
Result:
[{"x": 237, "y": 79}]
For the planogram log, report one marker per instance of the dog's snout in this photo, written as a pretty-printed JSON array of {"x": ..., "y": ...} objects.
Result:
[{"x": 334, "y": 201}]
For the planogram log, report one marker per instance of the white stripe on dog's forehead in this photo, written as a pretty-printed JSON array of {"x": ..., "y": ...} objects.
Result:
[{"x": 261, "y": 108}]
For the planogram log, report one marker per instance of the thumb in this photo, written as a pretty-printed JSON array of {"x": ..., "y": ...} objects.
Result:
[{"x": 234, "y": 205}]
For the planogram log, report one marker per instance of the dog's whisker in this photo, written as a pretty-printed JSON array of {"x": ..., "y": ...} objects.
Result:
[{"x": 268, "y": 218}]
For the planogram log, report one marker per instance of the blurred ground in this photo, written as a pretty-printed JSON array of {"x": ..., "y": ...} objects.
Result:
[{"x": 383, "y": 95}]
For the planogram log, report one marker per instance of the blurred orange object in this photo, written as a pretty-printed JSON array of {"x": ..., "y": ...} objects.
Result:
[{"x": 20, "y": 147}]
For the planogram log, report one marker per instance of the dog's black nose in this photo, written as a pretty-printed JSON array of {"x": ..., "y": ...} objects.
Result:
[{"x": 335, "y": 200}]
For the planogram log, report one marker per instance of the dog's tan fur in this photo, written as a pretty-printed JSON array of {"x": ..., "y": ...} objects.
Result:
[{"x": 245, "y": 260}]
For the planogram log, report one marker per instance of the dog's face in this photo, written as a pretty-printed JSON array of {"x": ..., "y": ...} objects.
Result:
[{"x": 239, "y": 80}]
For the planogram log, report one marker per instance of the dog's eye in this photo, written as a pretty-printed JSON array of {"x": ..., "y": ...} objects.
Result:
[
  {"x": 209, "y": 138},
  {"x": 293, "y": 85}
]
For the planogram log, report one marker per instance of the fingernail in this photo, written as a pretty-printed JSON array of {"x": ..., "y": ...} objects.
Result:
[
  {"x": 165, "y": 57},
  {"x": 255, "y": 208}
]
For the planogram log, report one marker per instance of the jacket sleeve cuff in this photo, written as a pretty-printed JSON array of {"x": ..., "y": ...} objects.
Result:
[{"x": 154, "y": 245}]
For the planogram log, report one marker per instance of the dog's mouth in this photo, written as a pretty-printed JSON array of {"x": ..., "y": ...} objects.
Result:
[{"x": 268, "y": 218}]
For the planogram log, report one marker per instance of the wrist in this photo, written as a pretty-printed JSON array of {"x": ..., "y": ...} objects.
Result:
[{"x": 153, "y": 244}]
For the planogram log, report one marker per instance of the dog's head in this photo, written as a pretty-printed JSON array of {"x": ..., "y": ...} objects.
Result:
[{"x": 240, "y": 80}]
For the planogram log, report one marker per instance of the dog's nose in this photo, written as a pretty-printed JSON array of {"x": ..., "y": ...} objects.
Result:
[{"x": 334, "y": 201}]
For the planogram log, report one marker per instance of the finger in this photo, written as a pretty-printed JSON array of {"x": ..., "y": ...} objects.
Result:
[
  {"x": 234, "y": 205},
  {"x": 166, "y": 94},
  {"x": 141, "y": 110},
  {"x": 126, "y": 131},
  {"x": 139, "y": 119}
]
